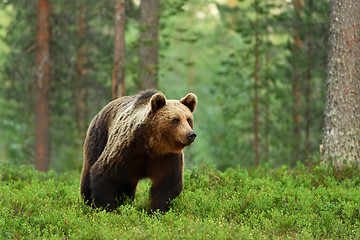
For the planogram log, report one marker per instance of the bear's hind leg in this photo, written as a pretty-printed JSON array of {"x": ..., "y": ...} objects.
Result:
[{"x": 103, "y": 195}]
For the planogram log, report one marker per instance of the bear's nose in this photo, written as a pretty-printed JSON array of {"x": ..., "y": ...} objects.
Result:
[{"x": 191, "y": 136}]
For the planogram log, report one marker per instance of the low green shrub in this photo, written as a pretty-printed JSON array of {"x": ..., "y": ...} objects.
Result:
[{"x": 264, "y": 203}]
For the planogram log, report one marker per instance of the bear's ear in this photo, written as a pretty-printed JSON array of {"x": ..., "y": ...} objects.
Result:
[
  {"x": 190, "y": 101},
  {"x": 157, "y": 101}
]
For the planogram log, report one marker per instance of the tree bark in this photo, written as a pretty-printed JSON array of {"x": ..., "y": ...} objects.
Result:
[
  {"x": 296, "y": 84},
  {"x": 81, "y": 84},
  {"x": 148, "y": 51},
  {"x": 256, "y": 86},
  {"x": 267, "y": 80},
  {"x": 341, "y": 142},
  {"x": 118, "y": 77},
  {"x": 308, "y": 81},
  {"x": 42, "y": 114}
]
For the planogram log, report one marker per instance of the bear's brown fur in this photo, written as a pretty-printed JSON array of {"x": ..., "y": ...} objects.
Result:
[{"x": 136, "y": 137}]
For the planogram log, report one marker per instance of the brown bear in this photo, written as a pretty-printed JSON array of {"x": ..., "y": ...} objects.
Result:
[{"x": 136, "y": 137}]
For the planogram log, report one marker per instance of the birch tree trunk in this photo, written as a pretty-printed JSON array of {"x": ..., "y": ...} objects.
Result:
[
  {"x": 341, "y": 142},
  {"x": 42, "y": 115}
]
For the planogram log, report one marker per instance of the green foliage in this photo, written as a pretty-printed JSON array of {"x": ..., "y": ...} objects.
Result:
[
  {"x": 235, "y": 80},
  {"x": 284, "y": 203},
  {"x": 205, "y": 47}
]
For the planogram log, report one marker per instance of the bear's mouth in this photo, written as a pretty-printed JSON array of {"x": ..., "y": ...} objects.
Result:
[
  {"x": 182, "y": 145},
  {"x": 186, "y": 143}
]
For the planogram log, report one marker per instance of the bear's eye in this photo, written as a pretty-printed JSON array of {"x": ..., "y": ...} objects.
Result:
[
  {"x": 189, "y": 121},
  {"x": 176, "y": 121}
]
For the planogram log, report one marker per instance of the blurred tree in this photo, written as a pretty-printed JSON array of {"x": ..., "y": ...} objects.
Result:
[
  {"x": 256, "y": 85},
  {"x": 341, "y": 142},
  {"x": 297, "y": 52},
  {"x": 309, "y": 6},
  {"x": 148, "y": 49},
  {"x": 267, "y": 83},
  {"x": 81, "y": 83},
  {"x": 203, "y": 40},
  {"x": 278, "y": 59},
  {"x": 42, "y": 113},
  {"x": 118, "y": 77}
]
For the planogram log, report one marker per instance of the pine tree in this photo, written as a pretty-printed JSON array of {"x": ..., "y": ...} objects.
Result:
[
  {"x": 118, "y": 77},
  {"x": 42, "y": 114},
  {"x": 148, "y": 51},
  {"x": 341, "y": 142}
]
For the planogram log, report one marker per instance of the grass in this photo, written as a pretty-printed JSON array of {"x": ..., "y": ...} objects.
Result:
[{"x": 284, "y": 203}]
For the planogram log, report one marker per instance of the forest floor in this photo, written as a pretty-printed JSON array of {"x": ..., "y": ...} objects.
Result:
[{"x": 283, "y": 203}]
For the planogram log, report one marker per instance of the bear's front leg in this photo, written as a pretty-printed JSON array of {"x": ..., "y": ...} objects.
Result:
[
  {"x": 163, "y": 192},
  {"x": 167, "y": 185}
]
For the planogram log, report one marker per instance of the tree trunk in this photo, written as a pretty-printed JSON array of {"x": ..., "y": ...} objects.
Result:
[
  {"x": 341, "y": 142},
  {"x": 296, "y": 84},
  {"x": 256, "y": 86},
  {"x": 308, "y": 81},
  {"x": 148, "y": 51},
  {"x": 267, "y": 80},
  {"x": 118, "y": 78},
  {"x": 81, "y": 84},
  {"x": 42, "y": 115}
]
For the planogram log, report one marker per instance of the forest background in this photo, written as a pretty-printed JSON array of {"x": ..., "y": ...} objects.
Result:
[{"x": 257, "y": 67}]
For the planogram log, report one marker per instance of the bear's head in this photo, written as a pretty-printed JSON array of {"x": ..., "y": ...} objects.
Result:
[{"x": 172, "y": 123}]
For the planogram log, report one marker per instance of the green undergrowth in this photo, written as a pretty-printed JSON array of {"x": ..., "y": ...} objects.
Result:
[{"x": 285, "y": 203}]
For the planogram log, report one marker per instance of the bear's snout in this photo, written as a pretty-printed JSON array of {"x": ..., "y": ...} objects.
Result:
[{"x": 191, "y": 136}]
